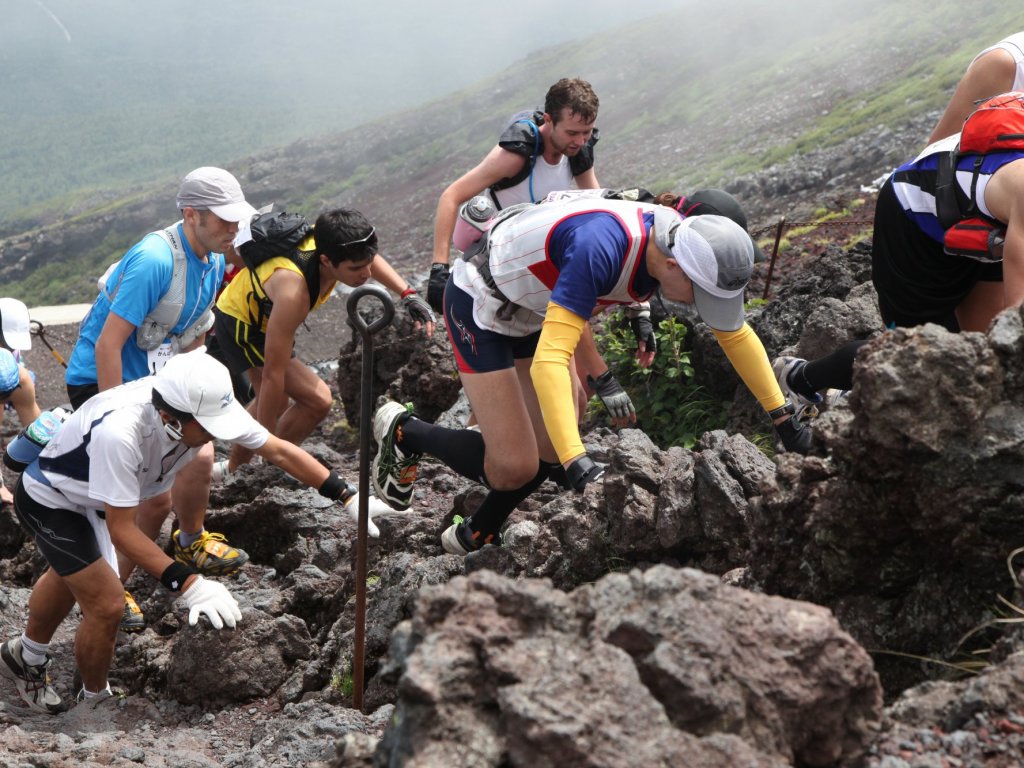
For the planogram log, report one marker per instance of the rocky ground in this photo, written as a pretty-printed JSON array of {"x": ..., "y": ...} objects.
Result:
[{"x": 714, "y": 604}]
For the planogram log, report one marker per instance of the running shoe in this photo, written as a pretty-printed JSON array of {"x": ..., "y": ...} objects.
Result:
[
  {"x": 210, "y": 554},
  {"x": 220, "y": 472},
  {"x": 132, "y": 619},
  {"x": 393, "y": 472},
  {"x": 95, "y": 701},
  {"x": 32, "y": 681},
  {"x": 459, "y": 538},
  {"x": 783, "y": 368}
]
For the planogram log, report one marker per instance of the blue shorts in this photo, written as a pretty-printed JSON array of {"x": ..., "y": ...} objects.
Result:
[{"x": 478, "y": 350}]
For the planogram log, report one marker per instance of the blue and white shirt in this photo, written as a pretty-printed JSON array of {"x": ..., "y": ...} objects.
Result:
[
  {"x": 143, "y": 277},
  {"x": 113, "y": 450}
]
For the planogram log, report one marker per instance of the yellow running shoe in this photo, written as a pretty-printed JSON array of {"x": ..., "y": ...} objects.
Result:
[
  {"x": 210, "y": 554},
  {"x": 132, "y": 620}
]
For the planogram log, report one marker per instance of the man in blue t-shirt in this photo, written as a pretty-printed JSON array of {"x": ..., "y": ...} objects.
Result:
[{"x": 155, "y": 302}]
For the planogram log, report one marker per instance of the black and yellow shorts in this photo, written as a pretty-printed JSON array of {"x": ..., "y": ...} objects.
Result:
[{"x": 241, "y": 344}]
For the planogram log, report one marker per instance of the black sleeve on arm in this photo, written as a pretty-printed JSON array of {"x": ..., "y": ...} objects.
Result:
[{"x": 583, "y": 161}]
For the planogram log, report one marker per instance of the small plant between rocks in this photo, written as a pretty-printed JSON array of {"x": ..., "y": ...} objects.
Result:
[{"x": 670, "y": 407}]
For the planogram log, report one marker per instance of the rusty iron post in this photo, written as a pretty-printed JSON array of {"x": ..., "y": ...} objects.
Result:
[
  {"x": 37, "y": 330},
  {"x": 775, "y": 255},
  {"x": 366, "y": 330}
]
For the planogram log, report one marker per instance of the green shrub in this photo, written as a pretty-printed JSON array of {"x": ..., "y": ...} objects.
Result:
[{"x": 670, "y": 407}]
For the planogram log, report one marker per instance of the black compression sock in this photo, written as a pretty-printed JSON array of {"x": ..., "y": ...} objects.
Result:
[
  {"x": 460, "y": 449},
  {"x": 833, "y": 371},
  {"x": 498, "y": 505}
]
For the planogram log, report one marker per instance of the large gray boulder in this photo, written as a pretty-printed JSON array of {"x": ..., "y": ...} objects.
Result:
[{"x": 664, "y": 667}]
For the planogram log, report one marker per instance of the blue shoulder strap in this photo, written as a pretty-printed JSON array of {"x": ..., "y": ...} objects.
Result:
[{"x": 536, "y": 151}]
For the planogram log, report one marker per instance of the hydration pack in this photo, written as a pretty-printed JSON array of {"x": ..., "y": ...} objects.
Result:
[
  {"x": 997, "y": 125},
  {"x": 522, "y": 137},
  {"x": 279, "y": 234},
  {"x": 157, "y": 325}
]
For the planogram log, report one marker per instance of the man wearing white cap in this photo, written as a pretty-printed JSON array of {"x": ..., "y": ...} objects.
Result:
[
  {"x": 15, "y": 325},
  {"x": 79, "y": 500},
  {"x": 155, "y": 302},
  {"x": 515, "y": 314},
  {"x": 17, "y": 384}
]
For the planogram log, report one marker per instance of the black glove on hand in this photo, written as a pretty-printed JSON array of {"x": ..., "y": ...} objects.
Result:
[
  {"x": 639, "y": 316},
  {"x": 614, "y": 397},
  {"x": 435, "y": 286},
  {"x": 795, "y": 435},
  {"x": 583, "y": 471},
  {"x": 417, "y": 308}
]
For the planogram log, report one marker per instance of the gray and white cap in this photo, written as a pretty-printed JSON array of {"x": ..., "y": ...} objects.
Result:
[
  {"x": 716, "y": 254},
  {"x": 214, "y": 189}
]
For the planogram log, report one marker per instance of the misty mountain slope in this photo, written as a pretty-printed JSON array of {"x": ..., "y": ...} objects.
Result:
[
  {"x": 113, "y": 92},
  {"x": 687, "y": 99}
]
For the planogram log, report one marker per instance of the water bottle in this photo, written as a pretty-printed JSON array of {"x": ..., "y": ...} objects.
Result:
[
  {"x": 24, "y": 449},
  {"x": 474, "y": 218}
]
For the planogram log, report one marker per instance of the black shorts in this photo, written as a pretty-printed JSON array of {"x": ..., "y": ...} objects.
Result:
[
  {"x": 79, "y": 393},
  {"x": 916, "y": 280},
  {"x": 241, "y": 345},
  {"x": 476, "y": 349},
  {"x": 65, "y": 538}
]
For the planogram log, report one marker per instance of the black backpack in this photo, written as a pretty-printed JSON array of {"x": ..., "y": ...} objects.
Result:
[
  {"x": 522, "y": 137},
  {"x": 280, "y": 234}
]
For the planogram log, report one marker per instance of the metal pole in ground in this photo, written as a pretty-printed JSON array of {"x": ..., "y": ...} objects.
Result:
[
  {"x": 775, "y": 255},
  {"x": 36, "y": 329},
  {"x": 366, "y": 330}
]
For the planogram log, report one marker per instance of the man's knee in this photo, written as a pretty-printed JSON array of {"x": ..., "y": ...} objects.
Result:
[
  {"x": 106, "y": 610},
  {"x": 201, "y": 465},
  {"x": 511, "y": 472},
  {"x": 319, "y": 401}
]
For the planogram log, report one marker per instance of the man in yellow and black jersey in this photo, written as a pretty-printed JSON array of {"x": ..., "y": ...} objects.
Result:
[{"x": 290, "y": 398}]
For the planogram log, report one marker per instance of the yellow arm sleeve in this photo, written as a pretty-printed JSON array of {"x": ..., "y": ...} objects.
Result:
[
  {"x": 552, "y": 380},
  {"x": 746, "y": 353}
]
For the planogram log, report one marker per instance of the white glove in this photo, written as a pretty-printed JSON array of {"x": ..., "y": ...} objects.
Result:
[
  {"x": 374, "y": 507},
  {"x": 213, "y": 599}
]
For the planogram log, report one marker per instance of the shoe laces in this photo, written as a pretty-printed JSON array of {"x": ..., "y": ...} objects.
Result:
[
  {"x": 204, "y": 538},
  {"x": 396, "y": 461},
  {"x": 38, "y": 674}
]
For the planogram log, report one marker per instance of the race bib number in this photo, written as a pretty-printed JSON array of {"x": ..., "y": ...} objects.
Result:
[{"x": 158, "y": 357}]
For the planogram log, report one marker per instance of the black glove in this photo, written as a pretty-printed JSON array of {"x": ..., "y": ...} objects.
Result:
[
  {"x": 417, "y": 308},
  {"x": 435, "y": 286},
  {"x": 795, "y": 435},
  {"x": 613, "y": 396},
  {"x": 639, "y": 316},
  {"x": 583, "y": 471}
]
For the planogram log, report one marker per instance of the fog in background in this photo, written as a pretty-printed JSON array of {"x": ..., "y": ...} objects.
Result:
[
  {"x": 375, "y": 57},
  {"x": 108, "y": 93},
  {"x": 128, "y": 79}
]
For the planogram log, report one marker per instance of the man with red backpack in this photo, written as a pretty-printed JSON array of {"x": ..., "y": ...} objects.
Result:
[{"x": 948, "y": 244}]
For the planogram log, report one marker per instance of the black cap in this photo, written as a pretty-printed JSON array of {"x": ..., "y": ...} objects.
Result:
[{"x": 720, "y": 203}]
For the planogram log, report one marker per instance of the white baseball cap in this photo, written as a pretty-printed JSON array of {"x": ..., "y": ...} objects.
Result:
[
  {"x": 196, "y": 383},
  {"x": 718, "y": 257},
  {"x": 14, "y": 324},
  {"x": 214, "y": 189}
]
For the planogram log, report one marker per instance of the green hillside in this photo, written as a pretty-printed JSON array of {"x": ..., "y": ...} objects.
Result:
[{"x": 687, "y": 99}]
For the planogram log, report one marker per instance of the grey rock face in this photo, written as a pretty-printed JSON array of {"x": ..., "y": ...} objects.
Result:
[
  {"x": 903, "y": 521},
  {"x": 648, "y": 668}
]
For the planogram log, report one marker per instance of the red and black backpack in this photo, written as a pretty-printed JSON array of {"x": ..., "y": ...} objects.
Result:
[{"x": 996, "y": 125}]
